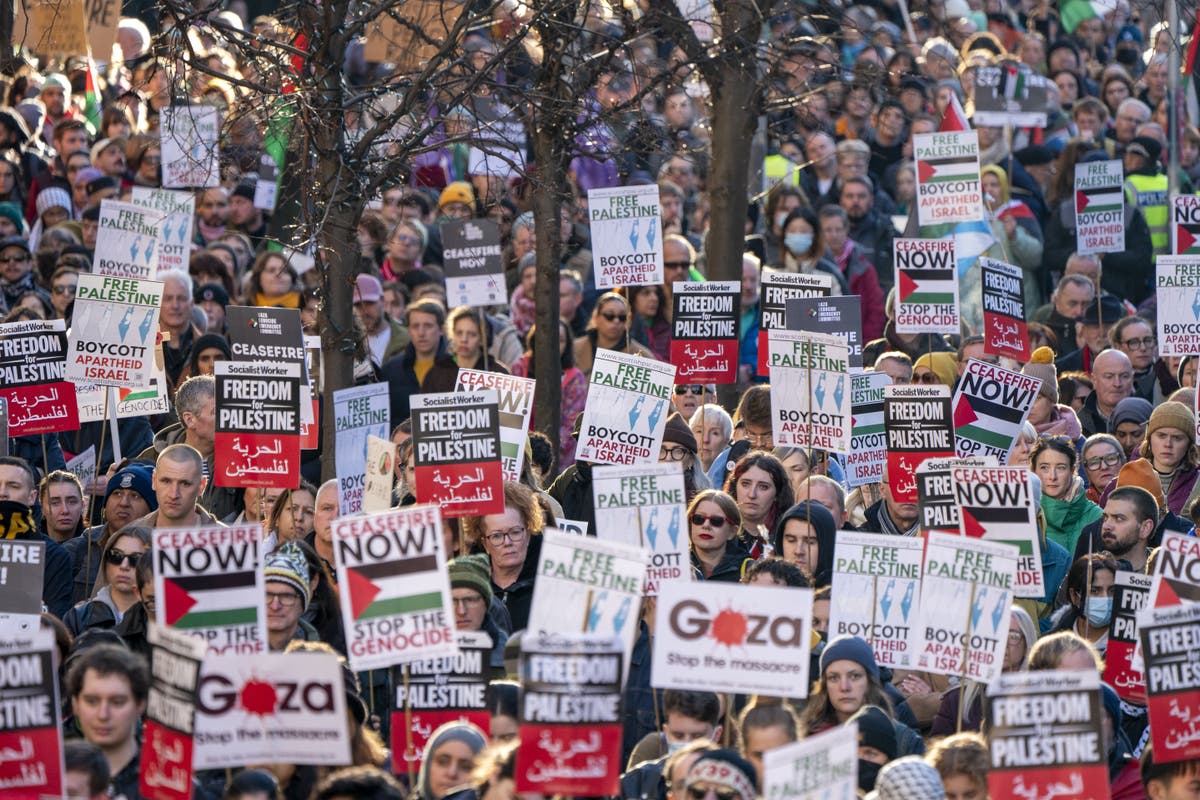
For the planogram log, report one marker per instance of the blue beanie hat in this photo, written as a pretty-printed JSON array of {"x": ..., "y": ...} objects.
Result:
[
  {"x": 850, "y": 648},
  {"x": 134, "y": 476}
]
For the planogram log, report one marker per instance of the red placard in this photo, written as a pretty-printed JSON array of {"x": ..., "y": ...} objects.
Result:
[
  {"x": 407, "y": 753},
  {"x": 268, "y": 460},
  {"x": 166, "y": 764},
  {"x": 714, "y": 361},
  {"x": 462, "y": 490},
  {"x": 30, "y": 733},
  {"x": 1088, "y": 782},
  {"x": 44, "y": 408},
  {"x": 580, "y": 760}
]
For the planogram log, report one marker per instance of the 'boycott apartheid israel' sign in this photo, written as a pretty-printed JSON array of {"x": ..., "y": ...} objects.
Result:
[
  {"x": 626, "y": 224},
  {"x": 868, "y": 441},
  {"x": 878, "y": 584},
  {"x": 775, "y": 289},
  {"x": 32, "y": 357},
  {"x": 1177, "y": 284},
  {"x": 966, "y": 596},
  {"x": 625, "y": 416},
  {"x": 948, "y": 188},
  {"x": 810, "y": 390},
  {"x": 990, "y": 407},
  {"x": 1045, "y": 736},
  {"x": 113, "y": 331},
  {"x": 1099, "y": 207},
  {"x": 456, "y": 452},
  {"x": 918, "y": 426},
  {"x": 127, "y": 241},
  {"x": 926, "y": 286},
  {"x": 394, "y": 590},
  {"x": 174, "y": 215},
  {"x": 644, "y": 505},
  {"x": 359, "y": 412},
  {"x": 705, "y": 318}
]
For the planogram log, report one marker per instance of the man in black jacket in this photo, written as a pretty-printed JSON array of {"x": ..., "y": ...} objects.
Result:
[{"x": 406, "y": 372}]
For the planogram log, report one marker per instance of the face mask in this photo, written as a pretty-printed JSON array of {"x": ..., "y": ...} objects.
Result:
[
  {"x": 674, "y": 746},
  {"x": 798, "y": 242},
  {"x": 1099, "y": 611},
  {"x": 780, "y": 218},
  {"x": 867, "y": 772}
]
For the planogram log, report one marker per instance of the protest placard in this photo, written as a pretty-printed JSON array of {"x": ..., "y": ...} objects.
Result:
[
  {"x": 30, "y": 728},
  {"x": 570, "y": 715},
  {"x": 878, "y": 585},
  {"x": 358, "y": 412},
  {"x": 1099, "y": 207},
  {"x": 918, "y": 425},
  {"x": 628, "y": 402},
  {"x": 1176, "y": 578},
  {"x": 433, "y": 691},
  {"x": 189, "y": 136},
  {"x": 113, "y": 331},
  {"x": 472, "y": 263},
  {"x": 1005, "y": 332},
  {"x": 257, "y": 439},
  {"x": 32, "y": 361},
  {"x": 408, "y": 34},
  {"x": 22, "y": 565},
  {"x": 948, "y": 187},
  {"x": 208, "y": 582},
  {"x": 395, "y": 593},
  {"x": 91, "y": 398},
  {"x": 626, "y": 223},
  {"x": 275, "y": 708},
  {"x": 1169, "y": 637},
  {"x": 1185, "y": 224},
  {"x": 926, "y": 286},
  {"x": 731, "y": 637},
  {"x": 258, "y": 333},
  {"x": 935, "y": 496},
  {"x": 586, "y": 585},
  {"x": 1011, "y": 94},
  {"x": 83, "y": 466},
  {"x": 456, "y": 452},
  {"x": 810, "y": 397},
  {"x": 1045, "y": 736},
  {"x": 127, "y": 241},
  {"x": 498, "y": 141},
  {"x": 165, "y": 768},
  {"x": 53, "y": 27},
  {"x": 1177, "y": 285},
  {"x": 868, "y": 441},
  {"x": 645, "y": 506},
  {"x": 380, "y": 475},
  {"x": 991, "y": 405},
  {"x": 996, "y": 504},
  {"x": 775, "y": 289},
  {"x": 839, "y": 316},
  {"x": 819, "y": 767},
  {"x": 1130, "y": 593},
  {"x": 102, "y": 19},
  {"x": 175, "y": 220},
  {"x": 576, "y": 527},
  {"x": 966, "y": 595},
  {"x": 516, "y": 408},
  {"x": 704, "y": 319}
]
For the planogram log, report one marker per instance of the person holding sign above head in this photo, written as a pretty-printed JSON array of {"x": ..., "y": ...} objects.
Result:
[
  {"x": 714, "y": 519},
  {"x": 1064, "y": 501},
  {"x": 804, "y": 536},
  {"x": 513, "y": 543},
  {"x": 609, "y": 329},
  {"x": 1089, "y": 613}
]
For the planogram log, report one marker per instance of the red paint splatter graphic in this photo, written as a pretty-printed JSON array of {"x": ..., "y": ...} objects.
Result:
[
  {"x": 729, "y": 627},
  {"x": 258, "y": 697}
]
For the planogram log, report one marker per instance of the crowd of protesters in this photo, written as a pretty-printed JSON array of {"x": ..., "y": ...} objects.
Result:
[{"x": 1111, "y": 437}]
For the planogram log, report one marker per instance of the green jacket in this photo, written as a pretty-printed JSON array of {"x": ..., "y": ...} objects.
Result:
[{"x": 1065, "y": 519}]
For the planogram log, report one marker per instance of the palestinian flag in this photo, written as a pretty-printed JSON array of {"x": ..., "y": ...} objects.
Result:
[
  {"x": 1009, "y": 525},
  {"x": 946, "y": 170},
  {"x": 392, "y": 588},
  {"x": 1073, "y": 12},
  {"x": 981, "y": 420},
  {"x": 928, "y": 286},
  {"x": 1014, "y": 83},
  {"x": 955, "y": 118},
  {"x": 514, "y": 422},
  {"x": 91, "y": 104},
  {"x": 867, "y": 419},
  {"x": 1099, "y": 199},
  {"x": 1173, "y": 592},
  {"x": 211, "y": 601}
]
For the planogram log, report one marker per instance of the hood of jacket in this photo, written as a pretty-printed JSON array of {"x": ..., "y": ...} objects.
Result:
[{"x": 823, "y": 526}]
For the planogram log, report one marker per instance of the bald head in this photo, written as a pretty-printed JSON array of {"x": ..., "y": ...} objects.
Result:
[{"x": 1112, "y": 379}]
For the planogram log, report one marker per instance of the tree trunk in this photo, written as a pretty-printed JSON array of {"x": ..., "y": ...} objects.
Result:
[{"x": 548, "y": 198}]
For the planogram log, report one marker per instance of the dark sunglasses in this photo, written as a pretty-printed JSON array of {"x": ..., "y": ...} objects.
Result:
[
  {"x": 928, "y": 377},
  {"x": 696, "y": 390},
  {"x": 696, "y": 793},
  {"x": 717, "y": 521},
  {"x": 676, "y": 264},
  {"x": 611, "y": 317},
  {"x": 116, "y": 558}
]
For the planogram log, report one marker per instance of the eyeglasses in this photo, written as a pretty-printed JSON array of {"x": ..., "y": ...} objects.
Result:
[
  {"x": 676, "y": 453},
  {"x": 466, "y": 602},
  {"x": 760, "y": 439},
  {"x": 696, "y": 390},
  {"x": 611, "y": 317},
  {"x": 286, "y": 600},
  {"x": 1015, "y": 638},
  {"x": 514, "y": 535},
  {"x": 117, "y": 558},
  {"x": 1144, "y": 343},
  {"x": 715, "y": 521},
  {"x": 65, "y": 289},
  {"x": 926, "y": 377},
  {"x": 676, "y": 264},
  {"x": 696, "y": 793},
  {"x": 19, "y": 259},
  {"x": 1110, "y": 460}
]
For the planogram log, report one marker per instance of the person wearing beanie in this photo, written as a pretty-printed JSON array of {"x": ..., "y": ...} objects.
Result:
[
  {"x": 679, "y": 445},
  {"x": 457, "y": 201},
  {"x": 212, "y": 299},
  {"x": 12, "y": 222},
  {"x": 206, "y": 351},
  {"x": 936, "y": 368},
  {"x": 1128, "y": 423},
  {"x": 448, "y": 759},
  {"x": 475, "y": 606},
  {"x": 908, "y": 778},
  {"x": 723, "y": 773},
  {"x": 54, "y": 206},
  {"x": 1170, "y": 447},
  {"x": 804, "y": 536},
  {"x": 288, "y": 591},
  {"x": 876, "y": 744},
  {"x": 1047, "y": 416}
]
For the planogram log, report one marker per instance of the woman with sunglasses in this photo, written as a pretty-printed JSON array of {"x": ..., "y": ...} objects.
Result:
[
  {"x": 116, "y": 586},
  {"x": 713, "y": 520},
  {"x": 931, "y": 369},
  {"x": 608, "y": 329}
]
